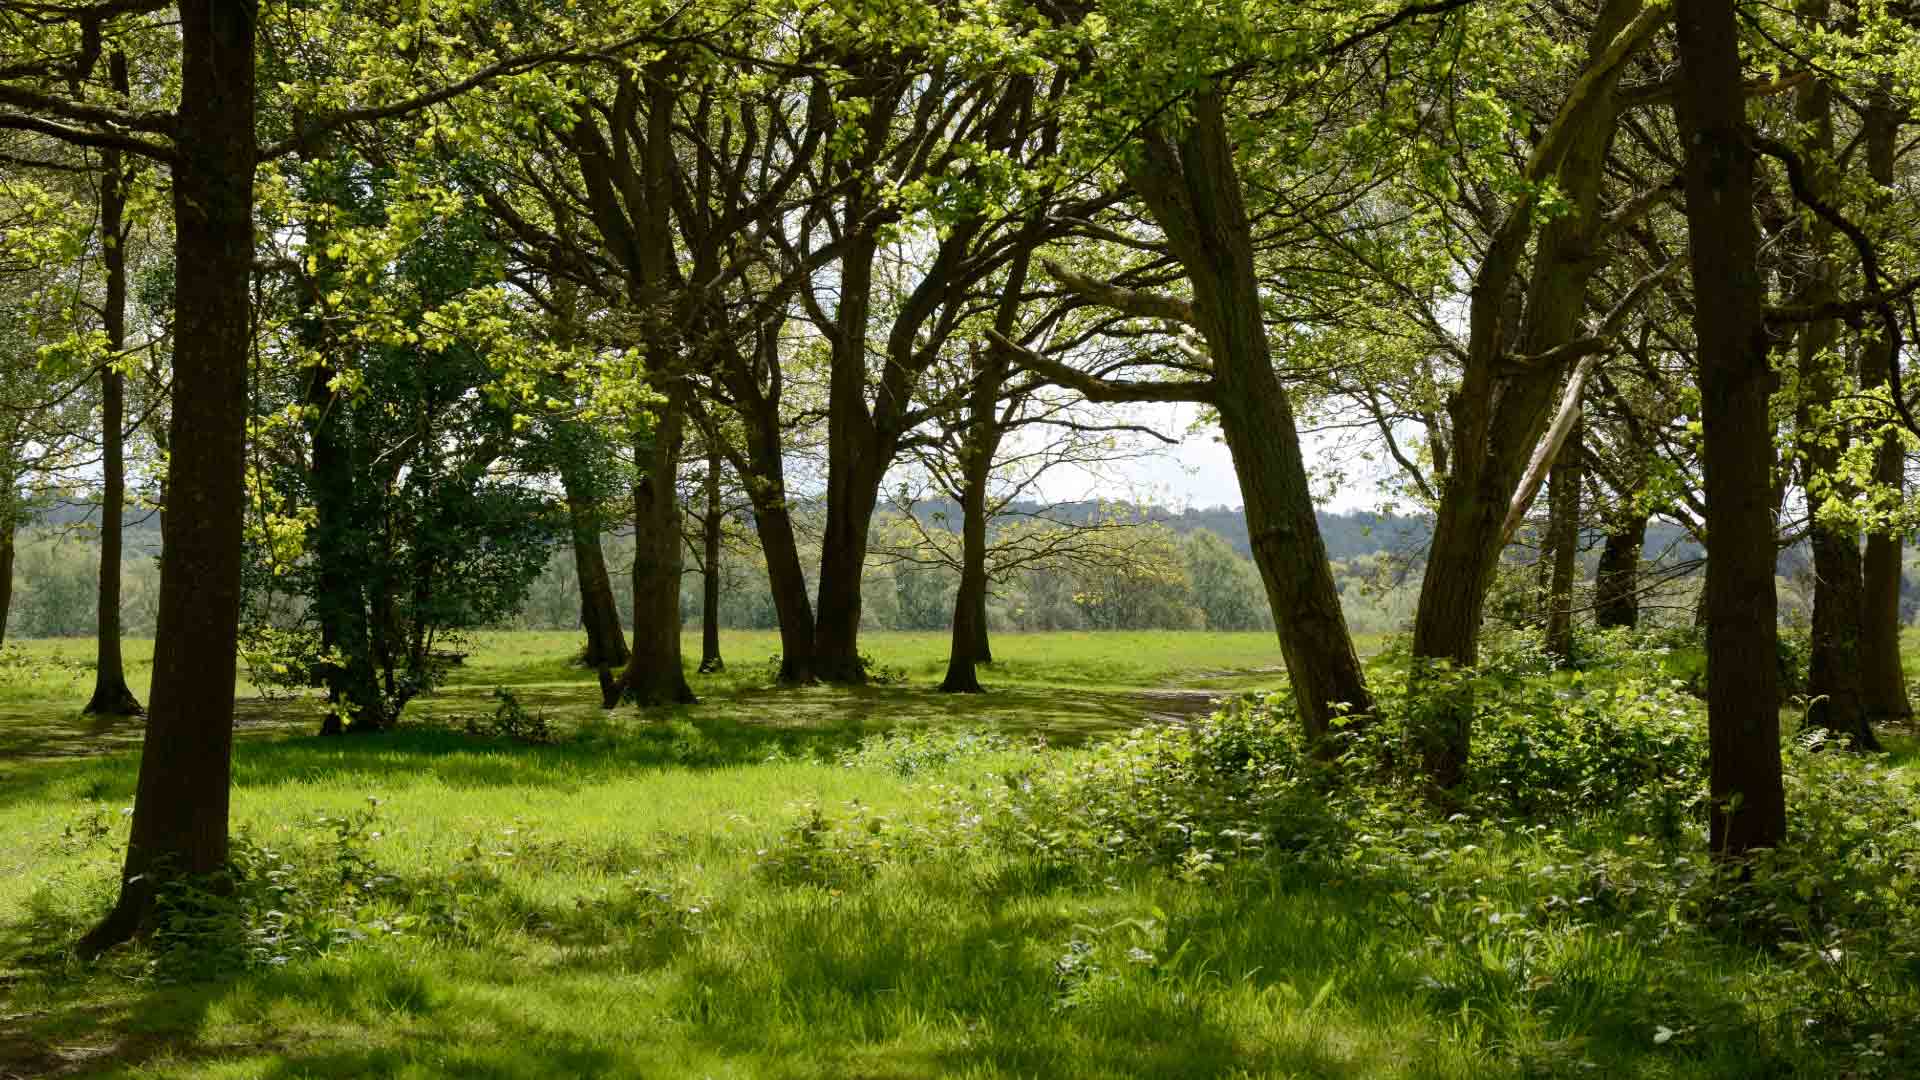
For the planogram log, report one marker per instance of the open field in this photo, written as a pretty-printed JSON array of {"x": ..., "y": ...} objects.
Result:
[{"x": 764, "y": 886}]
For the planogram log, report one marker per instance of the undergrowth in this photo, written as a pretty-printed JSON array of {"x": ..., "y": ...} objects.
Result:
[{"x": 1189, "y": 898}]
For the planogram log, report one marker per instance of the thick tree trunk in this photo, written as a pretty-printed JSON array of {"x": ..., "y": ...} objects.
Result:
[
  {"x": 599, "y": 615},
  {"x": 654, "y": 675},
  {"x": 180, "y": 805},
  {"x": 1569, "y": 476},
  {"x": 843, "y": 561},
  {"x": 1194, "y": 192},
  {"x": 1497, "y": 418},
  {"x": 1883, "y": 673},
  {"x": 111, "y": 697},
  {"x": 1736, "y": 381},
  {"x": 710, "y": 523},
  {"x": 857, "y": 458},
  {"x": 1616, "y": 581}
]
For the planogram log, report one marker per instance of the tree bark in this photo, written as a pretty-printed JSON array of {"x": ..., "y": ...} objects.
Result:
[
  {"x": 654, "y": 674},
  {"x": 1194, "y": 191},
  {"x": 710, "y": 522},
  {"x": 1497, "y": 417},
  {"x": 1736, "y": 380},
  {"x": 111, "y": 697},
  {"x": 761, "y": 465},
  {"x": 857, "y": 457},
  {"x": 970, "y": 603},
  {"x": 1883, "y": 673},
  {"x": 1616, "y": 580},
  {"x": 1836, "y": 691},
  {"x": 6, "y": 577},
  {"x": 982, "y": 638},
  {"x": 599, "y": 615},
  {"x": 1569, "y": 476},
  {"x": 180, "y": 805}
]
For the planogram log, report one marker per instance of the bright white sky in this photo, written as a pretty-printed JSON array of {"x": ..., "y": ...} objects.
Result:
[{"x": 1199, "y": 472}]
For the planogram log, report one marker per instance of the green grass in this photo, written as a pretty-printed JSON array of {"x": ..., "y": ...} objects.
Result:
[{"x": 651, "y": 897}]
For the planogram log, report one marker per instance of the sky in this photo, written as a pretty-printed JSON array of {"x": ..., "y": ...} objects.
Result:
[{"x": 1199, "y": 471}]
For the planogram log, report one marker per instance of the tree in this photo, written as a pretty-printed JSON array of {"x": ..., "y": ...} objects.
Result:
[
  {"x": 209, "y": 144},
  {"x": 1225, "y": 586},
  {"x": 1736, "y": 379},
  {"x": 1521, "y": 334},
  {"x": 110, "y": 693},
  {"x": 1188, "y": 179}
]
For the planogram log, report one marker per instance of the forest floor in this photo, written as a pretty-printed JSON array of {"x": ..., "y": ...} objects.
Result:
[{"x": 793, "y": 883}]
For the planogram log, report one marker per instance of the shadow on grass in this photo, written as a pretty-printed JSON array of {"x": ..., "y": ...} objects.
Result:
[
  {"x": 907, "y": 975},
  {"x": 746, "y": 728}
]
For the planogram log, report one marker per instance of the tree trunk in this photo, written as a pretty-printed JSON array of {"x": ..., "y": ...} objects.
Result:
[
  {"x": 654, "y": 675},
  {"x": 710, "y": 659},
  {"x": 1736, "y": 380},
  {"x": 6, "y": 577},
  {"x": 1616, "y": 581},
  {"x": 180, "y": 805},
  {"x": 1883, "y": 672},
  {"x": 762, "y": 470},
  {"x": 1834, "y": 685},
  {"x": 1569, "y": 476},
  {"x": 982, "y": 639},
  {"x": 111, "y": 697},
  {"x": 599, "y": 615},
  {"x": 1194, "y": 192},
  {"x": 857, "y": 459},
  {"x": 1497, "y": 418},
  {"x": 969, "y": 604}
]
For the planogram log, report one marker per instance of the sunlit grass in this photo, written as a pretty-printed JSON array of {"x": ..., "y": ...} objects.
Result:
[{"x": 625, "y": 903}]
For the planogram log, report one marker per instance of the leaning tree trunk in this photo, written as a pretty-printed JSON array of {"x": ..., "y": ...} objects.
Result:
[
  {"x": 654, "y": 675},
  {"x": 1883, "y": 673},
  {"x": 180, "y": 804},
  {"x": 762, "y": 471},
  {"x": 1497, "y": 417},
  {"x": 710, "y": 523},
  {"x": 1194, "y": 192},
  {"x": 1569, "y": 476},
  {"x": 599, "y": 615},
  {"x": 1736, "y": 381},
  {"x": 1616, "y": 580},
  {"x": 1836, "y": 691},
  {"x": 111, "y": 696}
]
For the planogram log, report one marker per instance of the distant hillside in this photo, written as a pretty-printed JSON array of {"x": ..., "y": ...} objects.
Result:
[{"x": 1347, "y": 535}]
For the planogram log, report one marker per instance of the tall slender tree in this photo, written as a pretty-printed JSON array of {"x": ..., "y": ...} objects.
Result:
[{"x": 1736, "y": 381}]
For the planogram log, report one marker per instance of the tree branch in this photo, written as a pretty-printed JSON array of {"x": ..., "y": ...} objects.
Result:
[
  {"x": 1135, "y": 302},
  {"x": 1103, "y": 390},
  {"x": 79, "y": 136}
]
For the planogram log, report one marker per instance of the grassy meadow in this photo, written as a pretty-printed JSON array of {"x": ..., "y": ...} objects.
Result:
[{"x": 876, "y": 883}]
